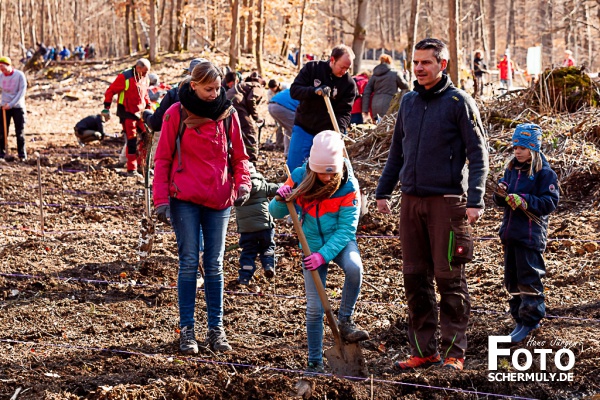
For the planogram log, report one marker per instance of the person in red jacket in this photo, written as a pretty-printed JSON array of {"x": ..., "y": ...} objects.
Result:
[
  {"x": 200, "y": 170},
  {"x": 132, "y": 87},
  {"x": 569, "y": 61},
  {"x": 503, "y": 66},
  {"x": 361, "y": 81}
]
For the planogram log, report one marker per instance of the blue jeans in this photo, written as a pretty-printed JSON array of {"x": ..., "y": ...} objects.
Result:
[
  {"x": 261, "y": 243},
  {"x": 299, "y": 149},
  {"x": 199, "y": 228},
  {"x": 350, "y": 262}
]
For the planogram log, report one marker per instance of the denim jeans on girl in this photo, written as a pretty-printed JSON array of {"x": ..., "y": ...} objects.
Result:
[
  {"x": 350, "y": 262},
  {"x": 199, "y": 228}
]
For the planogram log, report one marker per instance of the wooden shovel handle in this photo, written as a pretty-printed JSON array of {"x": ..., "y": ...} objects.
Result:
[{"x": 315, "y": 275}]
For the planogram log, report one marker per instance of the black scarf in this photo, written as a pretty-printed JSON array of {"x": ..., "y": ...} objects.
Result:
[
  {"x": 428, "y": 94},
  {"x": 195, "y": 105}
]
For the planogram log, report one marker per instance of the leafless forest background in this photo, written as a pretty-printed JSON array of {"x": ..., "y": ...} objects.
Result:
[{"x": 271, "y": 28}]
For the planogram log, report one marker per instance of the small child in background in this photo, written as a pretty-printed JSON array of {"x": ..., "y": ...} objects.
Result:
[
  {"x": 91, "y": 128},
  {"x": 528, "y": 192},
  {"x": 257, "y": 229}
]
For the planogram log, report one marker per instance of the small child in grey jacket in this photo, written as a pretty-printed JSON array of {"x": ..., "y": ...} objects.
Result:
[{"x": 257, "y": 229}]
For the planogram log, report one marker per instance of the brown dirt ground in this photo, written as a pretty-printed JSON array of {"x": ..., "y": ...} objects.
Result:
[{"x": 82, "y": 318}]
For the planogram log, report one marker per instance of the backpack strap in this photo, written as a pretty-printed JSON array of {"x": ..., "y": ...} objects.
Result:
[
  {"x": 180, "y": 131},
  {"x": 227, "y": 128}
]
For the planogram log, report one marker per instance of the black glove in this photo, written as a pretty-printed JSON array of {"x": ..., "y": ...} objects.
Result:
[
  {"x": 163, "y": 214},
  {"x": 323, "y": 90},
  {"x": 243, "y": 195},
  {"x": 146, "y": 114}
]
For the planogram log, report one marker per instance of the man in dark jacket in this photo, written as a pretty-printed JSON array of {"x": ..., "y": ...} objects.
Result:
[
  {"x": 90, "y": 129},
  {"x": 245, "y": 97},
  {"x": 316, "y": 79},
  {"x": 438, "y": 129}
]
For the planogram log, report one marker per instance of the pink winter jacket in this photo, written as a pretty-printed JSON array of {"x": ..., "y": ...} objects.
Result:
[{"x": 202, "y": 175}]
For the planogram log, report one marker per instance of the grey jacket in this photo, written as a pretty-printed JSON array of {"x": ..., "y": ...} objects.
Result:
[
  {"x": 384, "y": 84},
  {"x": 437, "y": 130},
  {"x": 254, "y": 215}
]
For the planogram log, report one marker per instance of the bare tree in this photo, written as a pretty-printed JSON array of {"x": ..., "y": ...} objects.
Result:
[
  {"x": 3, "y": 8},
  {"x": 492, "y": 20},
  {"x": 360, "y": 33},
  {"x": 453, "y": 39},
  {"x": 412, "y": 31},
  {"x": 300, "y": 58},
  {"x": 260, "y": 8},
  {"x": 153, "y": 44},
  {"x": 21, "y": 29},
  {"x": 234, "y": 47}
]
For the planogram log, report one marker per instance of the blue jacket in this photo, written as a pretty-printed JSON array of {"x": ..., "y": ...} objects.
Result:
[
  {"x": 540, "y": 191},
  {"x": 284, "y": 99},
  {"x": 330, "y": 224}
]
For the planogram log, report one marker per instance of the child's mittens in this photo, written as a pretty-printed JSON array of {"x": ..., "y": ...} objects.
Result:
[
  {"x": 284, "y": 192},
  {"x": 314, "y": 261},
  {"x": 515, "y": 201}
]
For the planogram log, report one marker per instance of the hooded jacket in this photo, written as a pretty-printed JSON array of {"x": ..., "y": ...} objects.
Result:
[
  {"x": 203, "y": 177},
  {"x": 245, "y": 97},
  {"x": 436, "y": 131},
  {"x": 383, "y": 85},
  {"x": 540, "y": 191},
  {"x": 254, "y": 215},
  {"x": 312, "y": 114},
  {"x": 330, "y": 224}
]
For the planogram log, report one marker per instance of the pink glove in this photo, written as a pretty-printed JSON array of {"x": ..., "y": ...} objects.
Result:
[
  {"x": 515, "y": 201},
  {"x": 284, "y": 192},
  {"x": 314, "y": 261}
]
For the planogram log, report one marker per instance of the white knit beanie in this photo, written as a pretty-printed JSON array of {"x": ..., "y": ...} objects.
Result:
[{"x": 327, "y": 153}]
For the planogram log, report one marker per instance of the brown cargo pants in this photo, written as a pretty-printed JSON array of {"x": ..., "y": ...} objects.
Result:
[{"x": 431, "y": 252}]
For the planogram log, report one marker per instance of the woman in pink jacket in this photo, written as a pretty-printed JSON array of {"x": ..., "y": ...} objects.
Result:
[{"x": 201, "y": 170}]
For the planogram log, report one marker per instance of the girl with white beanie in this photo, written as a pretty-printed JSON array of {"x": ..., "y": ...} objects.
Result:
[{"x": 326, "y": 196}]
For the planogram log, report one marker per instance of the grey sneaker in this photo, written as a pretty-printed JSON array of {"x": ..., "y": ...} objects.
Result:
[
  {"x": 187, "y": 340},
  {"x": 350, "y": 332},
  {"x": 217, "y": 340},
  {"x": 314, "y": 368}
]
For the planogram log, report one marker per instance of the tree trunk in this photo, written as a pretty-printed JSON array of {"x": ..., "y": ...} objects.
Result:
[
  {"x": 453, "y": 39},
  {"x": 32, "y": 24},
  {"x": 153, "y": 45},
  {"x": 286, "y": 36},
  {"x": 136, "y": 34},
  {"x": 162, "y": 6},
  {"x": 412, "y": 34},
  {"x": 250, "y": 27},
  {"x": 58, "y": 24},
  {"x": 260, "y": 8},
  {"x": 43, "y": 21},
  {"x": 234, "y": 47},
  {"x": 547, "y": 36},
  {"x": 483, "y": 29},
  {"x": 300, "y": 36},
  {"x": 3, "y": 8},
  {"x": 178, "y": 21},
  {"x": 243, "y": 41},
  {"x": 128, "y": 28},
  {"x": 492, "y": 19},
  {"x": 360, "y": 33},
  {"x": 21, "y": 29},
  {"x": 510, "y": 28},
  {"x": 171, "y": 29}
]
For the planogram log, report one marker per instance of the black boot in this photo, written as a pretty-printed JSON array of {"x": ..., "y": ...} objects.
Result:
[{"x": 350, "y": 332}]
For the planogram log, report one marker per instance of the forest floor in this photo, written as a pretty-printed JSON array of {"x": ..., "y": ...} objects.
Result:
[{"x": 80, "y": 317}]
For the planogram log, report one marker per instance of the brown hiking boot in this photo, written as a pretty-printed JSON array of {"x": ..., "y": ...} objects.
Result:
[{"x": 350, "y": 332}]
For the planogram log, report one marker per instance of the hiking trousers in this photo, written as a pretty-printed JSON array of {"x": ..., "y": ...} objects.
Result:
[{"x": 425, "y": 226}]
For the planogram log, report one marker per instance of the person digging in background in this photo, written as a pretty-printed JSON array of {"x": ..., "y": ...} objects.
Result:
[
  {"x": 326, "y": 195},
  {"x": 91, "y": 128},
  {"x": 256, "y": 228},
  {"x": 131, "y": 86},
  {"x": 14, "y": 85},
  {"x": 529, "y": 187},
  {"x": 201, "y": 170}
]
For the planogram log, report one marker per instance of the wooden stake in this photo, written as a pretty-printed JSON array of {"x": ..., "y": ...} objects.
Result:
[
  {"x": 39, "y": 171},
  {"x": 5, "y": 132}
]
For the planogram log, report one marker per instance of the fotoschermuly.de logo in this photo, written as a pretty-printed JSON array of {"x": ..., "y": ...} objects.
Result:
[{"x": 541, "y": 361}]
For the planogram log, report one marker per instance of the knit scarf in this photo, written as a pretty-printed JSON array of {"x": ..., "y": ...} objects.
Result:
[{"x": 207, "y": 109}]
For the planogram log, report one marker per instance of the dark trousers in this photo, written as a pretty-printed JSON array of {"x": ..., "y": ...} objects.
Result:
[
  {"x": 524, "y": 269},
  {"x": 425, "y": 225},
  {"x": 261, "y": 244},
  {"x": 17, "y": 115}
]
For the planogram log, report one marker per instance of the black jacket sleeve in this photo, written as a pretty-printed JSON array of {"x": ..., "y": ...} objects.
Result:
[
  {"x": 155, "y": 120},
  {"x": 391, "y": 172}
]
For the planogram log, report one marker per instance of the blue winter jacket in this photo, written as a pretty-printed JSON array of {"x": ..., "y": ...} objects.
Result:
[
  {"x": 330, "y": 224},
  {"x": 540, "y": 191}
]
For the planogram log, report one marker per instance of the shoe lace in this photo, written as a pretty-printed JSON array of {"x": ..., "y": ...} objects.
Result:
[
  {"x": 187, "y": 335},
  {"x": 217, "y": 335}
]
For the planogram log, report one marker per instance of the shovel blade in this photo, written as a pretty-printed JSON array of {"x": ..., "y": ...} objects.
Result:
[{"x": 347, "y": 360}]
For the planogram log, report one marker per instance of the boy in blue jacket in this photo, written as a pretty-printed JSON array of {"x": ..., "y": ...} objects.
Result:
[{"x": 528, "y": 192}]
